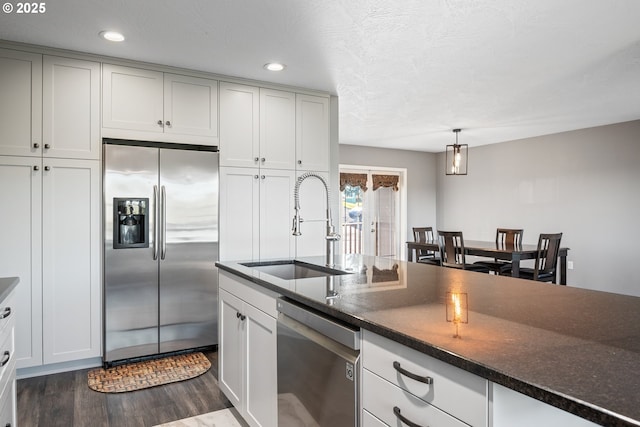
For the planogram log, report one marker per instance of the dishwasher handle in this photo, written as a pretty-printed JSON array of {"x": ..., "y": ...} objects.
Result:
[
  {"x": 342, "y": 351},
  {"x": 341, "y": 333}
]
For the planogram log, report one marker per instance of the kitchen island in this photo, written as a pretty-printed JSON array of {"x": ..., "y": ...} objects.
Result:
[{"x": 573, "y": 349}]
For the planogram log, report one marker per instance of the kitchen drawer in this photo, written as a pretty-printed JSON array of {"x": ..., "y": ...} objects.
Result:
[
  {"x": 450, "y": 385},
  {"x": 369, "y": 420},
  {"x": 7, "y": 313},
  {"x": 7, "y": 358},
  {"x": 261, "y": 298},
  {"x": 381, "y": 398}
]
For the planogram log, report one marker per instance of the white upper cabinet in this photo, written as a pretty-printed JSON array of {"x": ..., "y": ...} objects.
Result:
[
  {"x": 277, "y": 129},
  {"x": 146, "y": 104},
  {"x": 257, "y": 127},
  {"x": 21, "y": 103},
  {"x": 312, "y": 133},
  {"x": 239, "y": 125},
  {"x": 190, "y": 106},
  {"x": 132, "y": 99},
  {"x": 71, "y": 108}
]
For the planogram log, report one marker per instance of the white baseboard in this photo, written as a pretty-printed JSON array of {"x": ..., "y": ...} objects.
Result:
[{"x": 55, "y": 368}]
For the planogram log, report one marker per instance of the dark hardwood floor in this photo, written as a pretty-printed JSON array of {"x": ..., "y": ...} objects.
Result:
[{"x": 65, "y": 400}]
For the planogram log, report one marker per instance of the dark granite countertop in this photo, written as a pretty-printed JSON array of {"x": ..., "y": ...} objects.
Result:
[
  {"x": 6, "y": 286},
  {"x": 575, "y": 349}
]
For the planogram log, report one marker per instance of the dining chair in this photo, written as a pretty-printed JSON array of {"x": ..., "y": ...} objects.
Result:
[
  {"x": 507, "y": 238},
  {"x": 452, "y": 252},
  {"x": 546, "y": 259},
  {"x": 422, "y": 235}
]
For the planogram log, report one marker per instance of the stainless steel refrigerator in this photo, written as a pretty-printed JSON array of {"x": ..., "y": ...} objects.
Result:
[{"x": 160, "y": 248}]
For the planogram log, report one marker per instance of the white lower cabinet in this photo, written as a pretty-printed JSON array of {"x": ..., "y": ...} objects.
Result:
[
  {"x": 71, "y": 291},
  {"x": 394, "y": 405},
  {"x": 510, "y": 408},
  {"x": 247, "y": 372},
  {"x": 369, "y": 420},
  {"x": 7, "y": 361},
  {"x": 444, "y": 395},
  {"x": 51, "y": 240},
  {"x": 256, "y": 209}
]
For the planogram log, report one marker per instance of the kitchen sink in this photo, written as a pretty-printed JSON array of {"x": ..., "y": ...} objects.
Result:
[{"x": 291, "y": 269}]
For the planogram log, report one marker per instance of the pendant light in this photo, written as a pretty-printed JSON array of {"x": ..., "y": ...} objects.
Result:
[{"x": 456, "y": 157}]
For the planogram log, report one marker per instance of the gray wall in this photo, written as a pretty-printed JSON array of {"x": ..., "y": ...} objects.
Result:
[
  {"x": 584, "y": 183},
  {"x": 421, "y": 178}
]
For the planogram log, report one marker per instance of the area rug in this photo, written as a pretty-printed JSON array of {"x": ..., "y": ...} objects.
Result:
[
  {"x": 222, "y": 418},
  {"x": 149, "y": 373}
]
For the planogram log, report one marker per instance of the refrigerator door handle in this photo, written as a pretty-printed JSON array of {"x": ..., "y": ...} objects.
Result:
[
  {"x": 155, "y": 222},
  {"x": 163, "y": 204}
]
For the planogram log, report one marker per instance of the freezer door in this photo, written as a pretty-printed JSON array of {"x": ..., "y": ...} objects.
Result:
[
  {"x": 189, "y": 249},
  {"x": 130, "y": 271}
]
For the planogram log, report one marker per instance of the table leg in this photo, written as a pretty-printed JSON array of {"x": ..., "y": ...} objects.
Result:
[
  {"x": 563, "y": 269},
  {"x": 410, "y": 254},
  {"x": 515, "y": 265}
]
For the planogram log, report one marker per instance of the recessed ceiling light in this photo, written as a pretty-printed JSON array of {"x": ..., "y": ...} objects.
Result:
[
  {"x": 274, "y": 66},
  {"x": 112, "y": 36}
]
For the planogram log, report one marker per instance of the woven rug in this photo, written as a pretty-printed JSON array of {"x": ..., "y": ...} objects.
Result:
[{"x": 149, "y": 373}]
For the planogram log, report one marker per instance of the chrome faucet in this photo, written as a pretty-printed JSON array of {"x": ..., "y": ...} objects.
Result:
[{"x": 331, "y": 236}]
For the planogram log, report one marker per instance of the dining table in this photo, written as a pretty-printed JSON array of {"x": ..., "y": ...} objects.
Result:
[{"x": 491, "y": 249}]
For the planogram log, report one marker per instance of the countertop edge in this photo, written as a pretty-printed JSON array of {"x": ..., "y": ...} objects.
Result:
[
  {"x": 574, "y": 406},
  {"x": 7, "y": 284}
]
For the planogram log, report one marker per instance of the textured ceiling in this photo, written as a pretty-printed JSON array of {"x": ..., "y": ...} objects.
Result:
[{"x": 406, "y": 72}]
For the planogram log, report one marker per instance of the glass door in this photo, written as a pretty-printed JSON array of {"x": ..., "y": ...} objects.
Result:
[{"x": 370, "y": 213}]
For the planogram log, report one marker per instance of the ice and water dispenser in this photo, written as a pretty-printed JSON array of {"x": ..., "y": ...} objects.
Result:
[{"x": 131, "y": 223}]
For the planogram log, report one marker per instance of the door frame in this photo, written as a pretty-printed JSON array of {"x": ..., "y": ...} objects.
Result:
[{"x": 402, "y": 172}]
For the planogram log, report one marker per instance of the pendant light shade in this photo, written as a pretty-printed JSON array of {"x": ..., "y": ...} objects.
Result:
[{"x": 457, "y": 156}]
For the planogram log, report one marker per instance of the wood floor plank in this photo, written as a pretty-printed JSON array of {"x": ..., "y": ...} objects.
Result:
[{"x": 66, "y": 400}]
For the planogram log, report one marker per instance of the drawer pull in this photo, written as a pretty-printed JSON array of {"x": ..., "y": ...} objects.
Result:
[
  {"x": 6, "y": 358},
  {"x": 426, "y": 380},
  {"x": 5, "y": 313},
  {"x": 396, "y": 412}
]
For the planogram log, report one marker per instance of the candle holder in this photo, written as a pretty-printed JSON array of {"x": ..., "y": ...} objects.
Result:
[{"x": 457, "y": 310}]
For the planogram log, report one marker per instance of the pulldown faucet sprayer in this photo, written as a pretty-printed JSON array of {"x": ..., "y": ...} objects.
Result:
[{"x": 331, "y": 236}]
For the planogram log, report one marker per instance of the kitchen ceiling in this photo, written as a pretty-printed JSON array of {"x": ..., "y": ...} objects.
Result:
[{"x": 406, "y": 72}]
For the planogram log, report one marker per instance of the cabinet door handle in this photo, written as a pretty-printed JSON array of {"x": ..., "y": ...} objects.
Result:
[
  {"x": 160, "y": 123},
  {"x": 47, "y": 146},
  {"x": 426, "y": 380},
  {"x": 36, "y": 145},
  {"x": 47, "y": 168},
  {"x": 396, "y": 412},
  {"x": 5, "y": 313},
  {"x": 262, "y": 160},
  {"x": 263, "y": 177},
  {"x": 240, "y": 316},
  {"x": 36, "y": 168},
  {"x": 256, "y": 159},
  {"x": 168, "y": 123},
  {"x": 299, "y": 162},
  {"x": 6, "y": 358}
]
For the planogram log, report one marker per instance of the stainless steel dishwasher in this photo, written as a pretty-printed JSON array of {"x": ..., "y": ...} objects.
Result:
[{"x": 318, "y": 369}]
